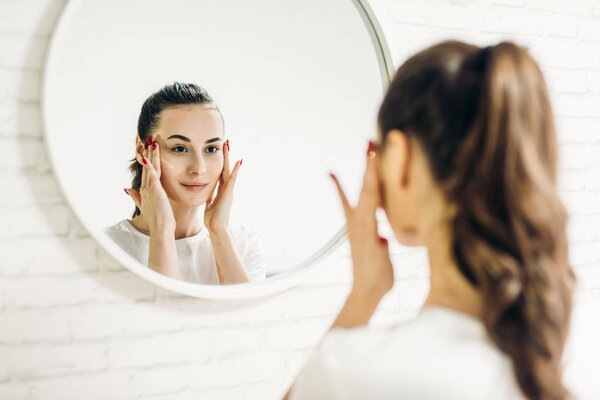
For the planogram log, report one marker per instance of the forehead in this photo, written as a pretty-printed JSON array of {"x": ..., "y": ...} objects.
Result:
[{"x": 198, "y": 122}]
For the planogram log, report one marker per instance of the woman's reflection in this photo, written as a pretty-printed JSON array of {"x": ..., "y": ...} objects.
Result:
[{"x": 182, "y": 163}]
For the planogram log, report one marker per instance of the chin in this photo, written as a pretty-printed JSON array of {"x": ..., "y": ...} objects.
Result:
[{"x": 190, "y": 199}]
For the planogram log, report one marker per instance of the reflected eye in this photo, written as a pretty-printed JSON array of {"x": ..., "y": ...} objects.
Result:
[
  {"x": 178, "y": 151},
  {"x": 212, "y": 149}
]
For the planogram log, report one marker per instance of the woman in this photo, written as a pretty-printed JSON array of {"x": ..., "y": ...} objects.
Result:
[
  {"x": 181, "y": 155},
  {"x": 465, "y": 164}
]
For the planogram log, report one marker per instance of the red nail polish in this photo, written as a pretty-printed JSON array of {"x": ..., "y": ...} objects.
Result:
[
  {"x": 371, "y": 147},
  {"x": 153, "y": 145},
  {"x": 144, "y": 159},
  {"x": 147, "y": 142},
  {"x": 382, "y": 240},
  {"x": 241, "y": 161},
  {"x": 126, "y": 192},
  {"x": 227, "y": 143}
]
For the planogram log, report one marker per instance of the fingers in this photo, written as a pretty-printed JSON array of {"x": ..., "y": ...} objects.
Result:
[
  {"x": 150, "y": 176},
  {"x": 369, "y": 196},
  {"x": 216, "y": 194},
  {"x": 226, "y": 187},
  {"x": 153, "y": 154},
  {"x": 144, "y": 174},
  {"x": 226, "y": 170},
  {"x": 210, "y": 200},
  {"x": 156, "y": 157},
  {"x": 383, "y": 241},
  {"x": 234, "y": 175},
  {"x": 229, "y": 184},
  {"x": 343, "y": 198}
]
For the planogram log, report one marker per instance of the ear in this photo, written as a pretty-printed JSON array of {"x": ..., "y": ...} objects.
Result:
[
  {"x": 139, "y": 148},
  {"x": 397, "y": 160}
]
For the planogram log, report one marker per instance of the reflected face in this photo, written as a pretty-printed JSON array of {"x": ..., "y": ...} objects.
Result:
[{"x": 191, "y": 145}]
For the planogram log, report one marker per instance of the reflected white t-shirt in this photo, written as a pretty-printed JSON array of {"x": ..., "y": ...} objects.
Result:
[
  {"x": 441, "y": 354},
  {"x": 195, "y": 254}
]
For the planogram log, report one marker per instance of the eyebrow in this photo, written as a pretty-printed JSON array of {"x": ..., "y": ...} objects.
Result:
[{"x": 185, "y": 139}]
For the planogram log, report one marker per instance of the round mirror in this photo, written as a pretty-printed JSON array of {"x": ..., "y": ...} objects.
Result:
[{"x": 297, "y": 84}]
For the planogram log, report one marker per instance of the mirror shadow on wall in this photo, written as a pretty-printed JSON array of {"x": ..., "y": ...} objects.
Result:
[{"x": 221, "y": 126}]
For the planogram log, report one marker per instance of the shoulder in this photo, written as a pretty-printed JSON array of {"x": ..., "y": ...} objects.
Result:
[
  {"x": 242, "y": 230},
  {"x": 122, "y": 226},
  {"x": 431, "y": 356},
  {"x": 245, "y": 236},
  {"x": 123, "y": 230}
]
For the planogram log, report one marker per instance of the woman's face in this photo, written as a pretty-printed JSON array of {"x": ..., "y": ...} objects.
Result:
[{"x": 191, "y": 147}]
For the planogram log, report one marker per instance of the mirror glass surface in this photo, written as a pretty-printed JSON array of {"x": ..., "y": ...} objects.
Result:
[{"x": 298, "y": 84}]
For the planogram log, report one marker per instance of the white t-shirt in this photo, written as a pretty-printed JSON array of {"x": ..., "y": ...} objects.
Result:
[
  {"x": 441, "y": 354},
  {"x": 195, "y": 254}
]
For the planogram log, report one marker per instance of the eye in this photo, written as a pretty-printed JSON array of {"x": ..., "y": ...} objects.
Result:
[
  {"x": 178, "y": 147},
  {"x": 212, "y": 149}
]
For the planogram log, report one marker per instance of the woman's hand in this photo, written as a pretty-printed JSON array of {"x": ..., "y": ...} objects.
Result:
[
  {"x": 218, "y": 208},
  {"x": 373, "y": 272},
  {"x": 152, "y": 199}
]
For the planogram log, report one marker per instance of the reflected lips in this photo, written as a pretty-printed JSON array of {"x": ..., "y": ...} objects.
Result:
[{"x": 195, "y": 187}]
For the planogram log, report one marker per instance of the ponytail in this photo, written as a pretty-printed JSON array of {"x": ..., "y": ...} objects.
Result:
[{"x": 488, "y": 131}]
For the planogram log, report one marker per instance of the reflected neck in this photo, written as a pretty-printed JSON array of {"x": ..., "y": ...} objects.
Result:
[{"x": 190, "y": 228}]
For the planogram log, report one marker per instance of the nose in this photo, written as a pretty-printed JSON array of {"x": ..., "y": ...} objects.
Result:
[{"x": 198, "y": 165}]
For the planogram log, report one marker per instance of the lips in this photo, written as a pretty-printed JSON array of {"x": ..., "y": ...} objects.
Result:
[{"x": 194, "y": 186}]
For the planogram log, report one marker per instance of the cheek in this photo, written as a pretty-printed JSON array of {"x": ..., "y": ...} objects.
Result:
[
  {"x": 168, "y": 174},
  {"x": 168, "y": 166},
  {"x": 216, "y": 166}
]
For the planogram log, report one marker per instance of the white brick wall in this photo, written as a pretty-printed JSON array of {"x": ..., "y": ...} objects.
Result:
[{"x": 76, "y": 325}]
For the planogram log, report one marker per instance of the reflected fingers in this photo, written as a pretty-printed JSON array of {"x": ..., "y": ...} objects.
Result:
[{"x": 226, "y": 170}]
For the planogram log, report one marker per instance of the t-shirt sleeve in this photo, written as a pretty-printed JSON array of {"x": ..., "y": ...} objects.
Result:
[{"x": 253, "y": 254}]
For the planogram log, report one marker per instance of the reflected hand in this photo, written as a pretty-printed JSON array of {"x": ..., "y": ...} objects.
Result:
[
  {"x": 218, "y": 208},
  {"x": 373, "y": 272},
  {"x": 152, "y": 200}
]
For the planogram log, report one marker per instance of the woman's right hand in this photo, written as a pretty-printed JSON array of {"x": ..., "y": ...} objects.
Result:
[
  {"x": 373, "y": 271},
  {"x": 152, "y": 200}
]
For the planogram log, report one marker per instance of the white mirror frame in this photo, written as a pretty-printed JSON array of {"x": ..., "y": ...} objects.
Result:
[{"x": 275, "y": 284}]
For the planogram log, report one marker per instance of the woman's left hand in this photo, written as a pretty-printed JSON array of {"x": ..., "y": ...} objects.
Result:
[{"x": 218, "y": 207}]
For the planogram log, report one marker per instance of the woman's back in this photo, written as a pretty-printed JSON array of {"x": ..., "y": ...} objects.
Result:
[
  {"x": 441, "y": 354},
  {"x": 465, "y": 164}
]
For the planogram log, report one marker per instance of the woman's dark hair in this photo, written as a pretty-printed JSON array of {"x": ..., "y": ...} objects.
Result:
[
  {"x": 483, "y": 118},
  {"x": 172, "y": 95}
]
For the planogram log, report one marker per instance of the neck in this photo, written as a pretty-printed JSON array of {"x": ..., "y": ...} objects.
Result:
[
  {"x": 448, "y": 286},
  {"x": 187, "y": 223}
]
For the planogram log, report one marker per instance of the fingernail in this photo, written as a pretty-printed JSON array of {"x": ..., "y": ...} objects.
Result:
[
  {"x": 147, "y": 142},
  {"x": 241, "y": 161},
  {"x": 144, "y": 159},
  {"x": 370, "y": 148},
  {"x": 382, "y": 240},
  {"x": 227, "y": 144},
  {"x": 126, "y": 192},
  {"x": 153, "y": 145}
]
